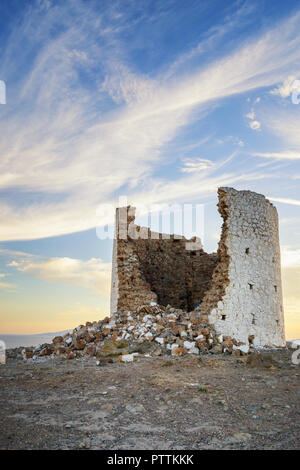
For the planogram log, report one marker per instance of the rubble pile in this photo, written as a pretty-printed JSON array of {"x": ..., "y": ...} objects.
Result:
[{"x": 149, "y": 330}]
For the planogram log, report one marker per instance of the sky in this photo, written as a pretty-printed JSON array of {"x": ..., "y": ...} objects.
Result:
[{"x": 158, "y": 102}]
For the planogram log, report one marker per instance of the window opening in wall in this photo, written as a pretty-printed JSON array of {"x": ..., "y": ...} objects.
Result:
[
  {"x": 247, "y": 251},
  {"x": 253, "y": 319},
  {"x": 250, "y": 286},
  {"x": 275, "y": 287},
  {"x": 223, "y": 317}
]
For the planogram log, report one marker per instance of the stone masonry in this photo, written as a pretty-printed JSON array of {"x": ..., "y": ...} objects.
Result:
[
  {"x": 153, "y": 268},
  {"x": 171, "y": 298},
  {"x": 237, "y": 291}
]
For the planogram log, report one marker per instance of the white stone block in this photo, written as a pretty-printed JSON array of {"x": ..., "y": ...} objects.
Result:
[
  {"x": 127, "y": 357},
  {"x": 160, "y": 340},
  {"x": 189, "y": 344}
]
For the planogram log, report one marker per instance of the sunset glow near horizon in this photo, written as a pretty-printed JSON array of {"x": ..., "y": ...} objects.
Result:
[{"x": 162, "y": 102}]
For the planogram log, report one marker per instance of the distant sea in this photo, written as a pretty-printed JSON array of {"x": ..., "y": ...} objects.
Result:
[
  {"x": 14, "y": 341},
  {"x": 293, "y": 341}
]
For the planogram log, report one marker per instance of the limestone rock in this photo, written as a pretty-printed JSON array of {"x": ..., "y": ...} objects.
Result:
[{"x": 58, "y": 340}]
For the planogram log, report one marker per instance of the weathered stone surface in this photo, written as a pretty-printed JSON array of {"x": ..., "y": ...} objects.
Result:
[
  {"x": 47, "y": 351},
  {"x": 57, "y": 340},
  {"x": 245, "y": 297},
  {"x": 141, "y": 348},
  {"x": 149, "y": 270},
  {"x": 169, "y": 300},
  {"x": 60, "y": 350},
  {"x": 137, "y": 332},
  {"x": 111, "y": 348},
  {"x": 70, "y": 354},
  {"x": 91, "y": 350},
  {"x": 217, "y": 349},
  {"x": 265, "y": 360},
  {"x": 178, "y": 351},
  {"x": 126, "y": 358},
  {"x": 236, "y": 291},
  {"x": 79, "y": 344},
  {"x": 105, "y": 360},
  {"x": 27, "y": 354}
]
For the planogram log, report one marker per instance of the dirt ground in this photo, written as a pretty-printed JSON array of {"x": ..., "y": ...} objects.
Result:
[{"x": 206, "y": 402}]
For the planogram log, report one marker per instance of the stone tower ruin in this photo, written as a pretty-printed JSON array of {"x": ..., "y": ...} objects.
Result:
[{"x": 237, "y": 290}]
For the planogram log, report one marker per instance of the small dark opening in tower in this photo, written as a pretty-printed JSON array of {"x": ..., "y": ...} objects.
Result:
[
  {"x": 223, "y": 317},
  {"x": 247, "y": 251},
  {"x": 251, "y": 339},
  {"x": 275, "y": 287},
  {"x": 253, "y": 319},
  {"x": 250, "y": 286}
]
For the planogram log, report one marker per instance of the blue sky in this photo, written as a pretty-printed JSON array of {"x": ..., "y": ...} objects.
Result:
[{"x": 159, "y": 101}]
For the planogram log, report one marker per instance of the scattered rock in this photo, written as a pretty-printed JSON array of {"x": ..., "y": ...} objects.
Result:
[
  {"x": 151, "y": 329},
  {"x": 135, "y": 408},
  {"x": 60, "y": 350},
  {"x": 126, "y": 358},
  {"x": 177, "y": 351},
  {"x": 257, "y": 359},
  {"x": 217, "y": 349},
  {"x": 79, "y": 344},
  {"x": 46, "y": 351},
  {"x": 70, "y": 354},
  {"x": 58, "y": 340}
]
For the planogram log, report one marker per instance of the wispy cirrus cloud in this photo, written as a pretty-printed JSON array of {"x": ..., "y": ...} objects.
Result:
[
  {"x": 196, "y": 165},
  {"x": 284, "y": 155},
  {"x": 284, "y": 124},
  {"x": 74, "y": 142},
  {"x": 285, "y": 200},
  {"x": 8, "y": 252}
]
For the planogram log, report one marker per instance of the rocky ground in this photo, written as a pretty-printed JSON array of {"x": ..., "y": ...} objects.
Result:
[{"x": 205, "y": 401}]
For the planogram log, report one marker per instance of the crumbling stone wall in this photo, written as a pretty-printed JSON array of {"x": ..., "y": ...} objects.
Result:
[
  {"x": 245, "y": 297},
  {"x": 236, "y": 290},
  {"x": 154, "y": 268},
  {"x": 179, "y": 277}
]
